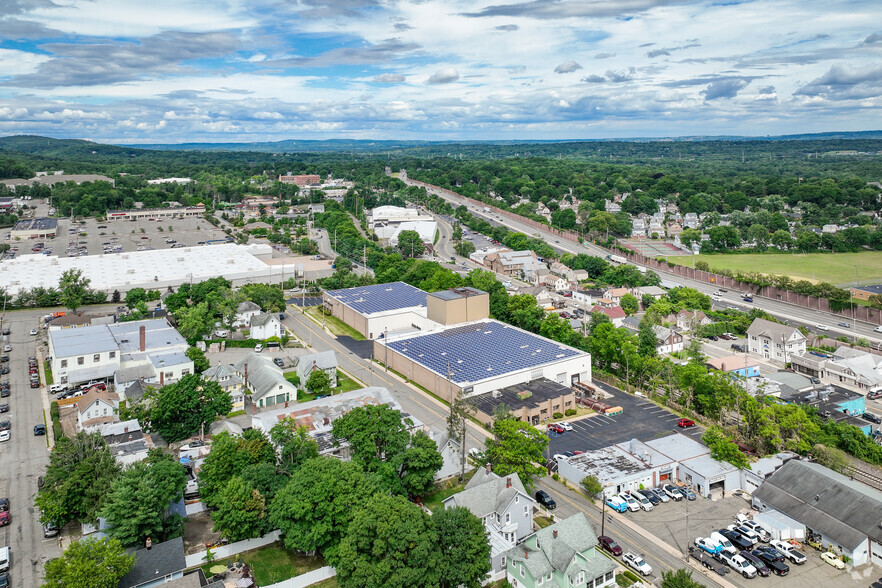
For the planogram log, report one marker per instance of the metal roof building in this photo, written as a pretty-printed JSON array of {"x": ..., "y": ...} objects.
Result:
[{"x": 840, "y": 510}]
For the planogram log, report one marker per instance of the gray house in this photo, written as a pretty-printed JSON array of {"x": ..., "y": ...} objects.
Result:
[
  {"x": 323, "y": 360},
  {"x": 504, "y": 507},
  {"x": 265, "y": 381},
  {"x": 156, "y": 565},
  {"x": 564, "y": 555}
]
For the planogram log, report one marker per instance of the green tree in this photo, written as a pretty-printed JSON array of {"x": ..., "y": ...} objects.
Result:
[
  {"x": 464, "y": 248},
  {"x": 241, "y": 511},
  {"x": 457, "y": 232},
  {"x": 89, "y": 563},
  {"x": 722, "y": 448},
  {"x": 295, "y": 443},
  {"x": 390, "y": 542},
  {"x": 782, "y": 240},
  {"x": 178, "y": 410},
  {"x": 200, "y": 362},
  {"x": 136, "y": 505},
  {"x": 831, "y": 457},
  {"x": 419, "y": 463},
  {"x": 681, "y": 578},
  {"x": 410, "y": 244},
  {"x": 376, "y": 434},
  {"x": 462, "y": 547},
  {"x": 73, "y": 288},
  {"x": 80, "y": 471},
  {"x": 516, "y": 448},
  {"x": 591, "y": 485},
  {"x": 318, "y": 383},
  {"x": 646, "y": 339},
  {"x": 135, "y": 296},
  {"x": 268, "y": 297},
  {"x": 230, "y": 456},
  {"x": 629, "y": 304},
  {"x": 316, "y": 506},
  {"x": 194, "y": 322}
]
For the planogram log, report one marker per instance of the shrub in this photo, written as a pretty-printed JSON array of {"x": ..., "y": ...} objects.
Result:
[
  {"x": 570, "y": 411},
  {"x": 558, "y": 415}
]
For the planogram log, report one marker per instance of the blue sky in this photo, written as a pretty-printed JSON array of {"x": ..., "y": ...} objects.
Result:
[{"x": 130, "y": 71}]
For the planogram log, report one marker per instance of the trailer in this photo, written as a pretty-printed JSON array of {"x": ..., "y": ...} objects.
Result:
[
  {"x": 709, "y": 561},
  {"x": 617, "y": 259}
]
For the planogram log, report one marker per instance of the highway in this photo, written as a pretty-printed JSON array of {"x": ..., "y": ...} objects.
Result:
[{"x": 796, "y": 315}]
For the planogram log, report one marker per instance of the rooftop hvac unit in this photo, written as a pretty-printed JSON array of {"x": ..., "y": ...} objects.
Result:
[
  {"x": 130, "y": 271},
  {"x": 496, "y": 393}
]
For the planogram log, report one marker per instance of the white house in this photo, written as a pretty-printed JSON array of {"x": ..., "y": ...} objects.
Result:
[
  {"x": 244, "y": 313},
  {"x": 323, "y": 360},
  {"x": 774, "y": 340},
  {"x": 96, "y": 407},
  {"x": 265, "y": 381},
  {"x": 264, "y": 326}
]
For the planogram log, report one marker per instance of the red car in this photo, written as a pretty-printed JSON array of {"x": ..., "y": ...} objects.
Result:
[
  {"x": 5, "y": 519},
  {"x": 685, "y": 423},
  {"x": 556, "y": 428},
  {"x": 608, "y": 544}
]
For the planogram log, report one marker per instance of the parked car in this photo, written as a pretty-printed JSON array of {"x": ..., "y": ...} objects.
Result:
[
  {"x": 745, "y": 532},
  {"x": 874, "y": 394},
  {"x": 672, "y": 492},
  {"x": 632, "y": 504},
  {"x": 278, "y": 361},
  {"x": 4, "y": 407},
  {"x": 650, "y": 496},
  {"x": 555, "y": 428},
  {"x": 831, "y": 558},
  {"x": 684, "y": 423},
  {"x": 5, "y": 518},
  {"x": 713, "y": 337},
  {"x": 708, "y": 545},
  {"x": 754, "y": 526},
  {"x": 644, "y": 502},
  {"x": 545, "y": 500},
  {"x": 690, "y": 495},
  {"x": 762, "y": 569},
  {"x": 738, "y": 347},
  {"x": 4, "y": 436},
  {"x": 565, "y": 426},
  {"x": 33, "y": 332},
  {"x": 616, "y": 503},
  {"x": 736, "y": 539},
  {"x": 50, "y": 529},
  {"x": 609, "y": 545},
  {"x": 788, "y": 551},
  {"x": 39, "y": 430},
  {"x": 638, "y": 563},
  {"x": 724, "y": 542},
  {"x": 661, "y": 494},
  {"x": 873, "y": 418},
  {"x": 54, "y": 388}
]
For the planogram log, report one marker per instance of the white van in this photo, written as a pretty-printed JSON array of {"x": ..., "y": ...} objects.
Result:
[
  {"x": 722, "y": 541},
  {"x": 4, "y": 559},
  {"x": 221, "y": 333},
  {"x": 644, "y": 501},
  {"x": 258, "y": 348}
]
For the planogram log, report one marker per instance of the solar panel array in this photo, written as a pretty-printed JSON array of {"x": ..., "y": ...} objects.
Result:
[
  {"x": 380, "y": 297},
  {"x": 482, "y": 350}
]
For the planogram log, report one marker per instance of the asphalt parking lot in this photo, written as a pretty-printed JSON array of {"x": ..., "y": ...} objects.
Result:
[
  {"x": 679, "y": 523},
  {"x": 640, "y": 419}
]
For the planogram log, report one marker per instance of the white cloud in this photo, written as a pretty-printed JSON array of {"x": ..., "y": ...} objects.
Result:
[{"x": 444, "y": 76}]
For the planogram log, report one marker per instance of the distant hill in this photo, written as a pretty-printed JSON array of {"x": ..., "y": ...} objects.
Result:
[{"x": 61, "y": 148}]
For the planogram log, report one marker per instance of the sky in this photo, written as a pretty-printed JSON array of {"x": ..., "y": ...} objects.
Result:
[{"x": 174, "y": 71}]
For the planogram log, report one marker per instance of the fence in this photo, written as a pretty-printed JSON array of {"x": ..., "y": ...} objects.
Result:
[
  {"x": 307, "y": 579},
  {"x": 224, "y": 551}
]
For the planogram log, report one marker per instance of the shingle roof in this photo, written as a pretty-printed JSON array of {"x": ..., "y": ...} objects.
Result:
[
  {"x": 261, "y": 319},
  {"x": 154, "y": 563},
  {"x": 323, "y": 360},
  {"x": 844, "y": 510},
  {"x": 775, "y": 331},
  {"x": 263, "y": 376},
  {"x": 488, "y": 493},
  {"x": 247, "y": 306}
]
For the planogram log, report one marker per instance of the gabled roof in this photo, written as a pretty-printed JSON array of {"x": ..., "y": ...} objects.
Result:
[
  {"x": 844, "y": 510},
  {"x": 613, "y": 312},
  {"x": 94, "y": 395},
  {"x": 155, "y": 563},
  {"x": 775, "y": 331},
  {"x": 263, "y": 376},
  {"x": 217, "y": 372},
  {"x": 247, "y": 306},
  {"x": 135, "y": 391},
  {"x": 323, "y": 360},
  {"x": 488, "y": 493},
  {"x": 260, "y": 320}
]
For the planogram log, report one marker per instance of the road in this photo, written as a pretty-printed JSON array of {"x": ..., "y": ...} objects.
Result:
[
  {"x": 428, "y": 410},
  {"x": 783, "y": 310},
  {"x": 623, "y": 532},
  {"x": 323, "y": 240},
  {"x": 24, "y": 457}
]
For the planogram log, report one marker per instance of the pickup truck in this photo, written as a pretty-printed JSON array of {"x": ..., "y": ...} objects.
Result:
[
  {"x": 738, "y": 563},
  {"x": 789, "y": 551}
]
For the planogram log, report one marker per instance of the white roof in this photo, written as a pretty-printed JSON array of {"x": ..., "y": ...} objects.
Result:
[{"x": 146, "y": 269}]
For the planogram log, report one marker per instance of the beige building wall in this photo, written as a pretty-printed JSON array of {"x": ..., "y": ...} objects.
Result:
[{"x": 458, "y": 310}]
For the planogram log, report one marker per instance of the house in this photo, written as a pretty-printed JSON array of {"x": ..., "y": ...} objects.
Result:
[
  {"x": 687, "y": 320},
  {"x": 323, "y": 360},
  {"x": 156, "y": 564},
  {"x": 562, "y": 555},
  {"x": 638, "y": 228},
  {"x": 615, "y": 314},
  {"x": 667, "y": 340},
  {"x": 774, "y": 340},
  {"x": 559, "y": 269},
  {"x": 864, "y": 292},
  {"x": 96, "y": 407},
  {"x": 535, "y": 276},
  {"x": 690, "y": 220},
  {"x": 829, "y": 506},
  {"x": 854, "y": 368},
  {"x": 264, "y": 326},
  {"x": 244, "y": 312},
  {"x": 615, "y": 294},
  {"x": 229, "y": 381},
  {"x": 653, "y": 291},
  {"x": 739, "y": 365},
  {"x": 451, "y": 453},
  {"x": 673, "y": 229},
  {"x": 505, "y": 508},
  {"x": 580, "y": 275},
  {"x": 127, "y": 442},
  {"x": 513, "y": 263},
  {"x": 265, "y": 381},
  {"x": 553, "y": 282},
  {"x": 542, "y": 295}
]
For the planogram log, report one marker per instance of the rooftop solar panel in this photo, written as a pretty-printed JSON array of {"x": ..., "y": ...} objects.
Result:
[
  {"x": 380, "y": 297},
  {"x": 482, "y": 350}
]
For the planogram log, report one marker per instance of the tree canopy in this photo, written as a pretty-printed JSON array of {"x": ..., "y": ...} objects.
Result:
[{"x": 89, "y": 563}]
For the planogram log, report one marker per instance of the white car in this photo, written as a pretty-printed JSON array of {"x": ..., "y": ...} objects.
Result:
[
  {"x": 638, "y": 563},
  {"x": 833, "y": 559},
  {"x": 4, "y": 435},
  {"x": 559, "y": 457},
  {"x": 566, "y": 426},
  {"x": 746, "y": 532},
  {"x": 705, "y": 544},
  {"x": 822, "y": 327},
  {"x": 33, "y": 332},
  {"x": 718, "y": 293},
  {"x": 644, "y": 502},
  {"x": 632, "y": 503},
  {"x": 7, "y": 347},
  {"x": 716, "y": 298}
]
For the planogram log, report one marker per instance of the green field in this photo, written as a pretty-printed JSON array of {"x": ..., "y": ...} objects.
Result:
[{"x": 837, "y": 268}]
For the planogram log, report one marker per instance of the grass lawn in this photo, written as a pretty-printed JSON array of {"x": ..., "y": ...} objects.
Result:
[
  {"x": 47, "y": 369},
  {"x": 542, "y": 521},
  {"x": 272, "y": 564},
  {"x": 836, "y": 268},
  {"x": 335, "y": 325},
  {"x": 329, "y": 583},
  {"x": 432, "y": 501},
  {"x": 345, "y": 384}
]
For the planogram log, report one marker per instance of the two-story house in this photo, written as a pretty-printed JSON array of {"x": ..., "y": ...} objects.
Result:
[
  {"x": 265, "y": 381},
  {"x": 774, "y": 340},
  {"x": 264, "y": 326},
  {"x": 505, "y": 508},
  {"x": 325, "y": 361},
  {"x": 615, "y": 294},
  {"x": 96, "y": 407},
  {"x": 229, "y": 381},
  {"x": 564, "y": 555},
  {"x": 245, "y": 312}
]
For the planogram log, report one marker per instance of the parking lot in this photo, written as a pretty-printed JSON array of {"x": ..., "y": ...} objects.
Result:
[
  {"x": 679, "y": 523},
  {"x": 91, "y": 237},
  {"x": 640, "y": 419}
]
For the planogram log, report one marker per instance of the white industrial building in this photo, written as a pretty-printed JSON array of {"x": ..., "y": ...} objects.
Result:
[
  {"x": 148, "y": 351},
  {"x": 388, "y": 221},
  {"x": 154, "y": 269},
  {"x": 381, "y": 309}
]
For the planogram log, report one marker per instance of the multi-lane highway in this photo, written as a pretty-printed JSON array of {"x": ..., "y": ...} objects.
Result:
[{"x": 790, "y": 312}]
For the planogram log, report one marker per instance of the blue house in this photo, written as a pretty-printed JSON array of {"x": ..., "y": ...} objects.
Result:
[{"x": 739, "y": 365}]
